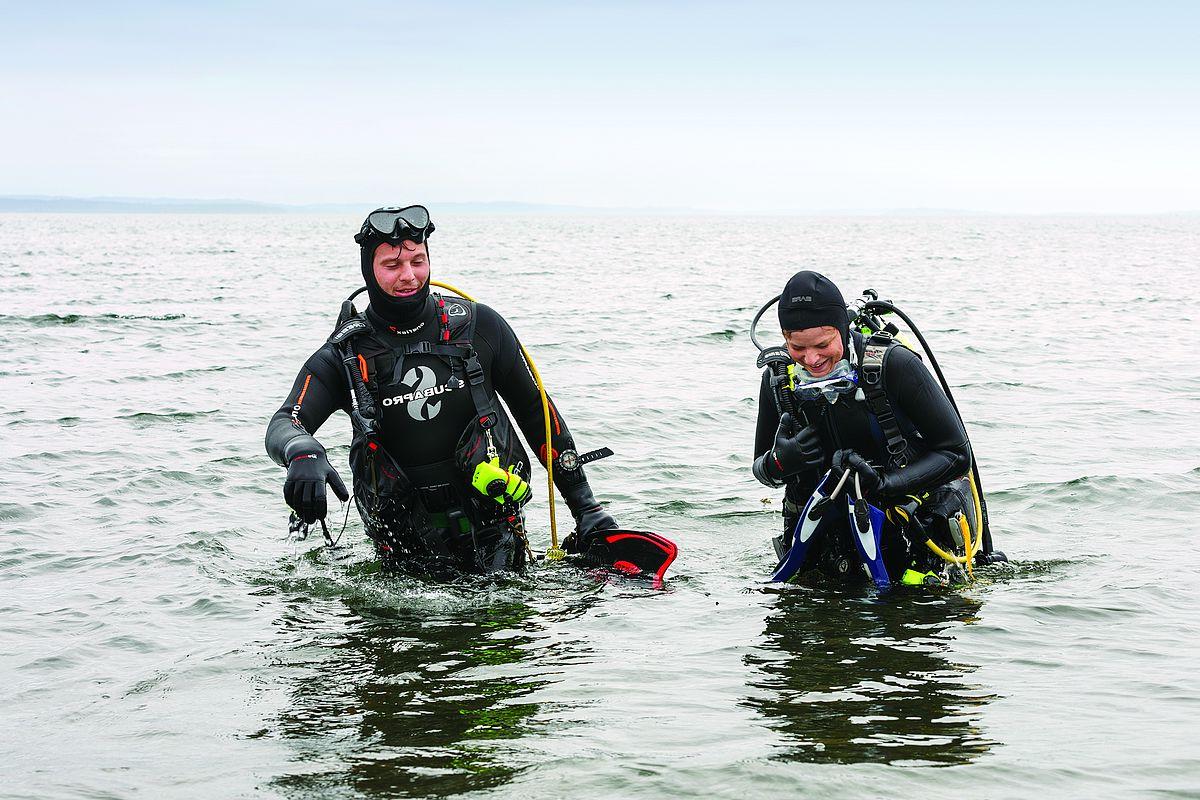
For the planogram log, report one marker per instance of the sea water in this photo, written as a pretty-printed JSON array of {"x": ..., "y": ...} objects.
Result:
[{"x": 161, "y": 636}]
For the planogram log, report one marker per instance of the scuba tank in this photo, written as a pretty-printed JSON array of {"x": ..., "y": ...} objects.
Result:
[{"x": 866, "y": 315}]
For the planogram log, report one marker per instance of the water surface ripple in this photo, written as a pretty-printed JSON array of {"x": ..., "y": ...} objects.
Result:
[{"x": 159, "y": 636}]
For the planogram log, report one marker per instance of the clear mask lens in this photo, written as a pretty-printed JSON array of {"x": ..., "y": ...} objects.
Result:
[{"x": 842, "y": 379}]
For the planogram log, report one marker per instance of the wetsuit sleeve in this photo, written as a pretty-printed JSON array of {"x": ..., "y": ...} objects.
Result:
[
  {"x": 318, "y": 391},
  {"x": 514, "y": 382},
  {"x": 915, "y": 392}
]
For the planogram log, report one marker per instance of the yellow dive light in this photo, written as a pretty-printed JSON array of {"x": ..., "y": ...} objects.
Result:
[{"x": 499, "y": 484}]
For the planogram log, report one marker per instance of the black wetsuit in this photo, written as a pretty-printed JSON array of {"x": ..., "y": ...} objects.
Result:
[
  {"x": 424, "y": 407},
  {"x": 938, "y": 449}
]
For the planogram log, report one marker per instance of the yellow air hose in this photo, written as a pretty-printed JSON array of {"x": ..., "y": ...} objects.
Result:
[
  {"x": 555, "y": 553},
  {"x": 969, "y": 559},
  {"x": 978, "y": 512},
  {"x": 966, "y": 534},
  {"x": 969, "y": 548},
  {"x": 953, "y": 559}
]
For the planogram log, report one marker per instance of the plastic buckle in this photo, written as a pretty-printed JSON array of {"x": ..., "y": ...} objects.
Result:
[{"x": 474, "y": 372}]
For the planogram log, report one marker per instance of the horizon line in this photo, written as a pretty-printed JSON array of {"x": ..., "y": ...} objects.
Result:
[{"x": 34, "y": 203}]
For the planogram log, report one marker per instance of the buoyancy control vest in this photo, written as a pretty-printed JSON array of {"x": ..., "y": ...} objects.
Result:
[
  {"x": 876, "y": 349},
  {"x": 406, "y": 507}
]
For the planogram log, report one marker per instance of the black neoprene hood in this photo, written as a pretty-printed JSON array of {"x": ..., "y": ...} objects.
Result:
[
  {"x": 400, "y": 312},
  {"x": 810, "y": 300}
]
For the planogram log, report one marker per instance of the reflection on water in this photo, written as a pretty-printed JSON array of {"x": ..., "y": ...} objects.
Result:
[
  {"x": 855, "y": 680},
  {"x": 411, "y": 701}
]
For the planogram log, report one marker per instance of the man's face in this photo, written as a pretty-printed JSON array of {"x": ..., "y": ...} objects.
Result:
[
  {"x": 815, "y": 349},
  {"x": 401, "y": 270}
]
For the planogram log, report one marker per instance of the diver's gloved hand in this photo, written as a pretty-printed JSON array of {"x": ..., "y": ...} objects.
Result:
[
  {"x": 308, "y": 472},
  {"x": 590, "y": 519},
  {"x": 872, "y": 481},
  {"x": 797, "y": 448}
]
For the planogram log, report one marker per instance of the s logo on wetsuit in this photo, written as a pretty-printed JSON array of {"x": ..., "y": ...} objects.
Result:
[{"x": 418, "y": 385}]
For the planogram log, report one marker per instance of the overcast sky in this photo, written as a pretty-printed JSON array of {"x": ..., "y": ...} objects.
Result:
[{"x": 743, "y": 106}]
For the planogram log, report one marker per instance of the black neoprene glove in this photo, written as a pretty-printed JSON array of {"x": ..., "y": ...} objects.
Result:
[
  {"x": 872, "y": 481},
  {"x": 796, "y": 449},
  {"x": 308, "y": 472},
  {"x": 590, "y": 518}
]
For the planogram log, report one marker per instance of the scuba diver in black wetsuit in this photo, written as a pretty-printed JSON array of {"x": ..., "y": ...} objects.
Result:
[
  {"x": 843, "y": 399},
  {"x": 439, "y": 474}
]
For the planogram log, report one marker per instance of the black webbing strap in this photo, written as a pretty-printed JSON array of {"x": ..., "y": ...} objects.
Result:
[
  {"x": 485, "y": 407},
  {"x": 449, "y": 352},
  {"x": 875, "y": 351},
  {"x": 458, "y": 350},
  {"x": 485, "y": 410}
]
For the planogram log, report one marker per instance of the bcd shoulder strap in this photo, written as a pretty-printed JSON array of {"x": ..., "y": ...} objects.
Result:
[
  {"x": 875, "y": 354},
  {"x": 462, "y": 337}
]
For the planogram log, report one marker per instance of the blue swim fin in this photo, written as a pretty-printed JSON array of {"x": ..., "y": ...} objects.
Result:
[
  {"x": 806, "y": 528},
  {"x": 866, "y": 526}
]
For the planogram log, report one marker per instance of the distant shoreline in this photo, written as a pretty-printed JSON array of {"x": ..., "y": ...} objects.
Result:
[
  {"x": 168, "y": 205},
  {"x": 49, "y": 204}
]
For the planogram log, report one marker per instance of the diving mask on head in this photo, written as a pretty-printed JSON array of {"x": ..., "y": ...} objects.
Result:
[
  {"x": 394, "y": 225},
  {"x": 842, "y": 379}
]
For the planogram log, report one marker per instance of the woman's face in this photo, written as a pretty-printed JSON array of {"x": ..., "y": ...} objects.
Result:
[{"x": 815, "y": 349}]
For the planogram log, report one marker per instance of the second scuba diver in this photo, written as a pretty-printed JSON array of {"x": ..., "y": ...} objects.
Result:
[
  {"x": 843, "y": 413},
  {"x": 439, "y": 474}
]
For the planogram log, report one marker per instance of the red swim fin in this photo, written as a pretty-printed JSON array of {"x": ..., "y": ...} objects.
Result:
[{"x": 640, "y": 552}]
